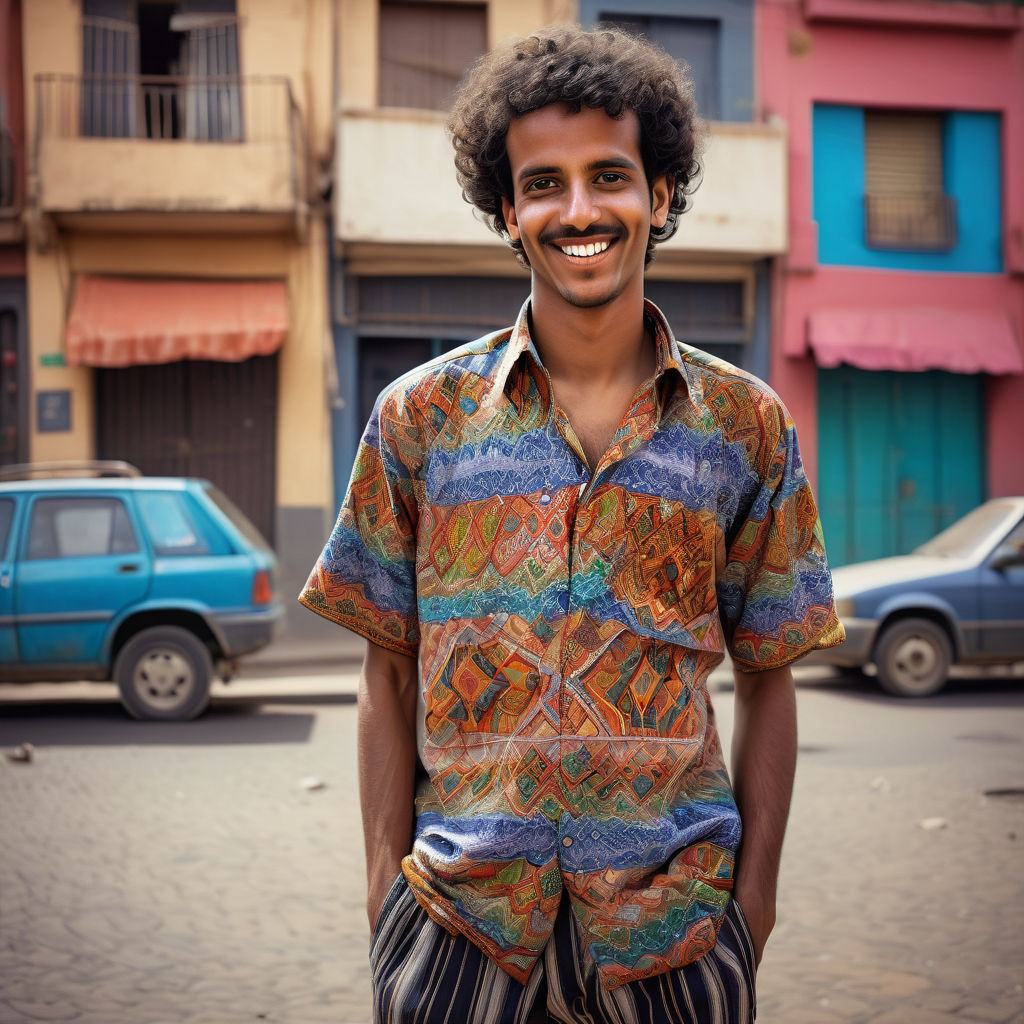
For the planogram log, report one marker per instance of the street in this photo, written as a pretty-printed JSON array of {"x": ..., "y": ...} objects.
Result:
[{"x": 200, "y": 874}]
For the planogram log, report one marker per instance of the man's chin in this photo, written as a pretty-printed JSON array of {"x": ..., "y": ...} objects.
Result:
[{"x": 589, "y": 300}]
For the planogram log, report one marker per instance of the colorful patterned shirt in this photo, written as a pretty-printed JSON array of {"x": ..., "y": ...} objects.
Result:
[{"x": 565, "y": 624}]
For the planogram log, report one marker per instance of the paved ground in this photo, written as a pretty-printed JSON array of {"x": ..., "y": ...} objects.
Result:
[{"x": 174, "y": 874}]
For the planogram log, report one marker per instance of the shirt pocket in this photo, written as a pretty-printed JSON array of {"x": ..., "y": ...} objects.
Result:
[{"x": 662, "y": 572}]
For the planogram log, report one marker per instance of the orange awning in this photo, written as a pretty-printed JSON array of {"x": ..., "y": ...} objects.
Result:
[{"x": 123, "y": 321}]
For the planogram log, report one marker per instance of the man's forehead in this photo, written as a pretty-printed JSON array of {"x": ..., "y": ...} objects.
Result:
[{"x": 563, "y": 135}]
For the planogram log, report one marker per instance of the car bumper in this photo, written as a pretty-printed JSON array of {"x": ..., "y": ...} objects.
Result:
[
  {"x": 243, "y": 633},
  {"x": 854, "y": 651}
]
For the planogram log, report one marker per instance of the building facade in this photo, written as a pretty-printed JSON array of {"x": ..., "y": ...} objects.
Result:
[
  {"x": 900, "y": 303},
  {"x": 177, "y": 249},
  {"x": 415, "y": 273},
  {"x": 13, "y": 305}
]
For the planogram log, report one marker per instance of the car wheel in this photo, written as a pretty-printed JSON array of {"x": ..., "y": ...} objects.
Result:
[
  {"x": 913, "y": 658},
  {"x": 164, "y": 674}
]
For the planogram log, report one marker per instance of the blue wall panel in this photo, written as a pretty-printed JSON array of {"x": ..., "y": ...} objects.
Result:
[
  {"x": 973, "y": 179},
  {"x": 736, "y": 60}
]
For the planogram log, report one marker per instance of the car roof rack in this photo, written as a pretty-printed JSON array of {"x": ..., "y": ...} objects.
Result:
[{"x": 70, "y": 468}]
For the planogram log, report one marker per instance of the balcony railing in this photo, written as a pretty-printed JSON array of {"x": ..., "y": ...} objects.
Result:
[
  {"x": 921, "y": 223},
  {"x": 214, "y": 109}
]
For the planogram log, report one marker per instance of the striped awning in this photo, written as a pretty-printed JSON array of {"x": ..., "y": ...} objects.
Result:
[{"x": 123, "y": 321}]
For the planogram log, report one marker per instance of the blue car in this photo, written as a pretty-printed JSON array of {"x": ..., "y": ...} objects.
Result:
[
  {"x": 155, "y": 583},
  {"x": 957, "y": 599}
]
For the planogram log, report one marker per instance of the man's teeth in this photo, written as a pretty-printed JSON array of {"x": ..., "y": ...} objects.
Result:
[{"x": 584, "y": 250}]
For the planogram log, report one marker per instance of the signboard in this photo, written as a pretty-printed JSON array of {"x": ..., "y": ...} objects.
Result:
[{"x": 53, "y": 411}]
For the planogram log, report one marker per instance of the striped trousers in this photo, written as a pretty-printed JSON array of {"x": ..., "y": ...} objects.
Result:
[{"x": 421, "y": 974}]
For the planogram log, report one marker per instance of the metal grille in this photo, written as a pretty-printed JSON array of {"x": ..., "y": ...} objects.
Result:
[
  {"x": 214, "y": 420},
  {"x": 900, "y": 221}
]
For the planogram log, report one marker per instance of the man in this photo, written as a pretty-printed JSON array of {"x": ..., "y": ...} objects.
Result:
[{"x": 550, "y": 537}]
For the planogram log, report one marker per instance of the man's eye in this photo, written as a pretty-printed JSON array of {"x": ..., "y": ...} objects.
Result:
[
  {"x": 610, "y": 178},
  {"x": 540, "y": 185}
]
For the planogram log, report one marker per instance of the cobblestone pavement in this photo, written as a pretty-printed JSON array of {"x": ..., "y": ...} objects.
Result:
[{"x": 154, "y": 874}]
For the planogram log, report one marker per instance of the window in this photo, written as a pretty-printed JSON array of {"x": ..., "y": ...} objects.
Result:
[
  {"x": 693, "y": 40},
  {"x": 905, "y": 203},
  {"x": 161, "y": 70},
  {"x": 79, "y": 527},
  {"x": 169, "y": 525},
  {"x": 6, "y": 515},
  {"x": 424, "y": 50}
]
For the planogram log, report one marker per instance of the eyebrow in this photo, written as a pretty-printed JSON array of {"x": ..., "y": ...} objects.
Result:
[{"x": 595, "y": 165}]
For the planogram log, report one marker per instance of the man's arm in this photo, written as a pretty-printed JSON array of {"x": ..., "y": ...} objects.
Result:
[
  {"x": 387, "y": 767},
  {"x": 763, "y": 765}
]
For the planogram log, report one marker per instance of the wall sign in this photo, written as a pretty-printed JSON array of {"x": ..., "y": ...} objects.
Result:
[{"x": 53, "y": 411}]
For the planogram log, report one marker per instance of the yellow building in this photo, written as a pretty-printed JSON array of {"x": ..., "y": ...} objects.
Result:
[{"x": 177, "y": 257}]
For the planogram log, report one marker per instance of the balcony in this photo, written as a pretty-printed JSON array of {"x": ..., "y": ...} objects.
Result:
[
  {"x": 135, "y": 150},
  {"x": 909, "y": 222},
  {"x": 396, "y": 198}
]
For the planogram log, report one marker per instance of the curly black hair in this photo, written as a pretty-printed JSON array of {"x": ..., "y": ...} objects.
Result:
[{"x": 605, "y": 69}]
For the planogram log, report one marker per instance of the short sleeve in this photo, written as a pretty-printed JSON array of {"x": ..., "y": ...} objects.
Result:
[
  {"x": 775, "y": 593},
  {"x": 365, "y": 578}
]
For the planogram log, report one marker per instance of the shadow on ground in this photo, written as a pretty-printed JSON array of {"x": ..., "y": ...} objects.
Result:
[
  {"x": 962, "y": 691},
  {"x": 95, "y": 723}
]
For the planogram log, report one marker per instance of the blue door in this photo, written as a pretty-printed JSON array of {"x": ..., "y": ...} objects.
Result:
[
  {"x": 8, "y": 644},
  {"x": 81, "y": 563},
  {"x": 899, "y": 458}
]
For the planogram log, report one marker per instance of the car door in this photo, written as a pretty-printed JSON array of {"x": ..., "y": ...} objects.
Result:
[
  {"x": 8, "y": 637},
  {"x": 1002, "y": 602},
  {"x": 82, "y": 562}
]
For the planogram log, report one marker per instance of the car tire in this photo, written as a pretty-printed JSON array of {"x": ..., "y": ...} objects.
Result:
[
  {"x": 164, "y": 674},
  {"x": 913, "y": 658}
]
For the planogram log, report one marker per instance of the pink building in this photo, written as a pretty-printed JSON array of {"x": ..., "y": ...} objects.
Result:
[{"x": 899, "y": 310}]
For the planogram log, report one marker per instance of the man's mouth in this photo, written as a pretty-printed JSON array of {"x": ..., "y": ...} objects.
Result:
[{"x": 590, "y": 249}]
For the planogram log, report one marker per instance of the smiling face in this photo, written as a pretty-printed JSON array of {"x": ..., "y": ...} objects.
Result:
[{"x": 582, "y": 206}]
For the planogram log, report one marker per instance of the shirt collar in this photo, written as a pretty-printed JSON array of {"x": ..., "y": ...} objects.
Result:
[{"x": 520, "y": 351}]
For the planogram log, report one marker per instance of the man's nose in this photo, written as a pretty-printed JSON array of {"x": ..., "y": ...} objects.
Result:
[{"x": 580, "y": 210}]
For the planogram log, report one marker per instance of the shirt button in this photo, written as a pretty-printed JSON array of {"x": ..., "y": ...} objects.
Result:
[
  {"x": 545, "y": 498},
  {"x": 567, "y": 841}
]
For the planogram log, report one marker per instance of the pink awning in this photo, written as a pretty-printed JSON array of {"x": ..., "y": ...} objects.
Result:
[
  {"x": 915, "y": 339},
  {"x": 121, "y": 321}
]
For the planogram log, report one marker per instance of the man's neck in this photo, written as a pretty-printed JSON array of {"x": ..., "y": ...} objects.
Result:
[{"x": 593, "y": 349}]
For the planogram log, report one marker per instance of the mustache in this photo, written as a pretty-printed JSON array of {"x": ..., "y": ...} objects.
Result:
[{"x": 567, "y": 234}]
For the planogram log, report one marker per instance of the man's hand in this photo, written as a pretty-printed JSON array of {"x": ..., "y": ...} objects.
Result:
[
  {"x": 387, "y": 767},
  {"x": 763, "y": 765}
]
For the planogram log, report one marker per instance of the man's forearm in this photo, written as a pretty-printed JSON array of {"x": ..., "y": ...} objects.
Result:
[
  {"x": 763, "y": 765},
  {"x": 387, "y": 767}
]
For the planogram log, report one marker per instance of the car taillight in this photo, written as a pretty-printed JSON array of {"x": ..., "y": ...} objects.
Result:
[{"x": 261, "y": 592}]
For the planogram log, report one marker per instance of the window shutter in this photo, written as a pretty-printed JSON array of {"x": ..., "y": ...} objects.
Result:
[
  {"x": 424, "y": 50},
  {"x": 903, "y": 153}
]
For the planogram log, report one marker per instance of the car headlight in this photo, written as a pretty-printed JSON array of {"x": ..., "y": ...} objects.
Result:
[{"x": 846, "y": 608}]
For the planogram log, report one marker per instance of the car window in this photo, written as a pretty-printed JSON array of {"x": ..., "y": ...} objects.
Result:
[
  {"x": 6, "y": 515},
  {"x": 79, "y": 527},
  {"x": 237, "y": 517},
  {"x": 971, "y": 535},
  {"x": 169, "y": 525}
]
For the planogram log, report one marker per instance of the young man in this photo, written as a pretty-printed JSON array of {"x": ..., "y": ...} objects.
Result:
[{"x": 550, "y": 537}]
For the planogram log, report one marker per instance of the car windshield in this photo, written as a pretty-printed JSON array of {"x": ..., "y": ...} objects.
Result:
[
  {"x": 969, "y": 536},
  {"x": 238, "y": 518}
]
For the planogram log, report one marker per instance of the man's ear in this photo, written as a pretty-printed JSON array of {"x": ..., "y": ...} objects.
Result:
[
  {"x": 508, "y": 211},
  {"x": 662, "y": 189}
]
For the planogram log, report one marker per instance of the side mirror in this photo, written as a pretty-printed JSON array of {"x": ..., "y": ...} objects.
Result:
[{"x": 1006, "y": 556}]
